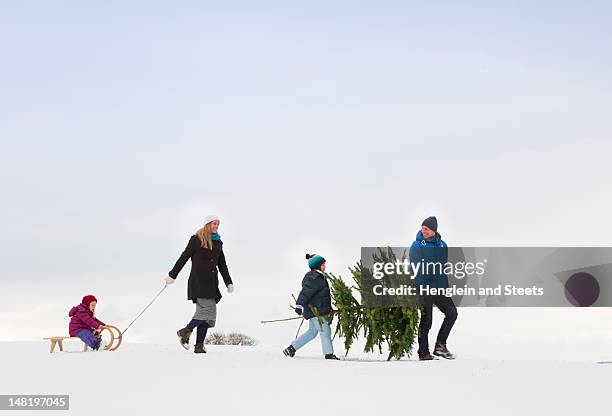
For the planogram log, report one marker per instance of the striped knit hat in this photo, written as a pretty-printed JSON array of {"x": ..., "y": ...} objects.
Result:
[{"x": 314, "y": 261}]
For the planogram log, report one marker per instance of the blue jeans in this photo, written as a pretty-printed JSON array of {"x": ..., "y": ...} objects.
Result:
[
  {"x": 88, "y": 337},
  {"x": 314, "y": 327}
]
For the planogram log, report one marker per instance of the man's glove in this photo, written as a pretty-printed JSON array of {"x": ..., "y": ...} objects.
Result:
[
  {"x": 299, "y": 309},
  {"x": 168, "y": 280}
]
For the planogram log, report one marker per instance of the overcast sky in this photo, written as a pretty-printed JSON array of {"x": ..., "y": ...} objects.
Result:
[{"x": 314, "y": 127}]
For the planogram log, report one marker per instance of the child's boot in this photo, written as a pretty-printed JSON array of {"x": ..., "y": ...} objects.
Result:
[
  {"x": 199, "y": 349},
  {"x": 331, "y": 357},
  {"x": 289, "y": 351}
]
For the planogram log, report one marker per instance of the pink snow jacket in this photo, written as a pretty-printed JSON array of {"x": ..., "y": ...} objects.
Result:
[{"x": 82, "y": 318}]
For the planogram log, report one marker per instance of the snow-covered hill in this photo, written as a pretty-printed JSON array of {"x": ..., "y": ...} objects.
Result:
[{"x": 165, "y": 379}]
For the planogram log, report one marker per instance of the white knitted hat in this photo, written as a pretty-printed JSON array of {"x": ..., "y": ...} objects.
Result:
[{"x": 210, "y": 218}]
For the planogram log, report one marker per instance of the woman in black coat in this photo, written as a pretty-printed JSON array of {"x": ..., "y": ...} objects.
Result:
[{"x": 205, "y": 249}]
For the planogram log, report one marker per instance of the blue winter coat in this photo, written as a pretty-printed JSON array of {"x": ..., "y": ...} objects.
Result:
[
  {"x": 315, "y": 292},
  {"x": 426, "y": 251}
]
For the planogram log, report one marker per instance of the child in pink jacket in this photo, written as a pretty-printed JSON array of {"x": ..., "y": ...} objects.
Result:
[{"x": 84, "y": 324}]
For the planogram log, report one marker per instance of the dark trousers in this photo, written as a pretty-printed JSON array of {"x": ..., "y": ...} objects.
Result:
[
  {"x": 447, "y": 307},
  {"x": 202, "y": 329}
]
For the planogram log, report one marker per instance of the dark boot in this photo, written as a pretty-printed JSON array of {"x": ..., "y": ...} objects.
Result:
[
  {"x": 184, "y": 335},
  {"x": 199, "y": 349},
  {"x": 289, "y": 351},
  {"x": 331, "y": 357},
  {"x": 426, "y": 357},
  {"x": 442, "y": 351}
]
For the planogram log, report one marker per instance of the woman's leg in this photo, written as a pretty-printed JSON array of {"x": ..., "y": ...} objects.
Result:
[
  {"x": 193, "y": 324},
  {"x": 202, "y": 330},
  {"x": 309, "y": 335},
  {"x": 326, "y": 341}
]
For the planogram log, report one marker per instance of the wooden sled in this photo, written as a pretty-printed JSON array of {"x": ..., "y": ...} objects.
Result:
[{"x": 115, "y": 335}]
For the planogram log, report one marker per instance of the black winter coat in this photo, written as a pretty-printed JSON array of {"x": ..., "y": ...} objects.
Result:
[
  {"x": 315, "y": 292},
  {"x": 203, "y": 278}
]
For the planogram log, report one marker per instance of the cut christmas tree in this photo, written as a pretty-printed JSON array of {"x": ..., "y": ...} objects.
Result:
[{"x": 393, "y": 326}]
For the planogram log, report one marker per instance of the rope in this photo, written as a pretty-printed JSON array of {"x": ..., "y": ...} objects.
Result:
[{"x": 146, "y": 307}]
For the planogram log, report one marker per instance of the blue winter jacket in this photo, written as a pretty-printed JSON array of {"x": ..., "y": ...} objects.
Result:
[{"x": 430, "y": 251}]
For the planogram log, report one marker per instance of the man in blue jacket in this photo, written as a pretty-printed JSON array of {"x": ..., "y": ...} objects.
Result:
[{"x": 431, "y": 252}]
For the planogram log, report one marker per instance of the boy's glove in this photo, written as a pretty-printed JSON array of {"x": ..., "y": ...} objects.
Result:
[
  {"x": 299, "y": 309},
  {"x": 168, "y": 280},
  {"x": 230, "y": 288}
]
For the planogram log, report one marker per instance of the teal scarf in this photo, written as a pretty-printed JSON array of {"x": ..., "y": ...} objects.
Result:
[{"x": 215, "y": 237}]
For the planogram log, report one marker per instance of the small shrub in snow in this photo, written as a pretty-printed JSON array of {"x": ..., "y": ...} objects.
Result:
[
  {"x": 233, "y": 338},
  {"x": 215, "y": 338}
]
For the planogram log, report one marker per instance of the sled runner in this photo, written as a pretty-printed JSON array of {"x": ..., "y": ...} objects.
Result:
[
  {"x": 59, "y": 342},
  {"x": 118, "y": 337}
]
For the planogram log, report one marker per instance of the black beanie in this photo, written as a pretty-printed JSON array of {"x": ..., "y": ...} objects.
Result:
[{"x": 431, "y": 223}]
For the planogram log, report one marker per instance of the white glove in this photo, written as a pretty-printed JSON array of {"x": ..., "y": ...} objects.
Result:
[
  {"x": 230, "y": 288},
  {"x": 169, "y": 280}
]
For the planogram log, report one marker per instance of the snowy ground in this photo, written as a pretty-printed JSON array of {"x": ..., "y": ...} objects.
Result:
[
  {"x": 164, "y": 379},
  {"x": 512, "y": 361}
]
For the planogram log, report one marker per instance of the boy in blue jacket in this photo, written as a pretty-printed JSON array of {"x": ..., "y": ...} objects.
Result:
[{"x": 315, "y": 293}]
